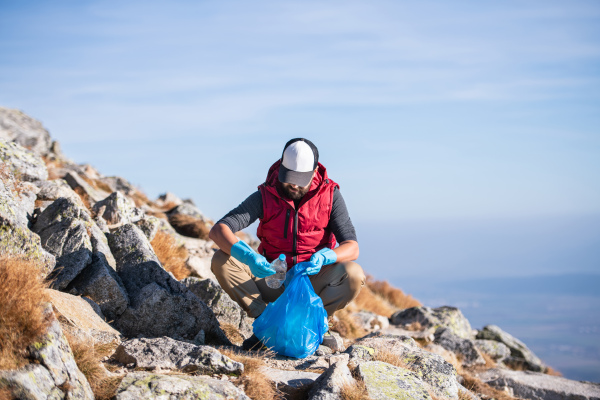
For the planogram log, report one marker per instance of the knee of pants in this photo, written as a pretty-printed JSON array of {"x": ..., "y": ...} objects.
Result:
[
  {"x": 356, "y": 276},
  {"x": 218, "y": 260}
]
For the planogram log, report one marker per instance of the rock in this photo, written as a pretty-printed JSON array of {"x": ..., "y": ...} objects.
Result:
[
  {"x": 538, "y": 386},
  {"x": 226, "y": 310},
  {"x": 465, "y": 349},
  {"x": 55, "y": 189},
  {"x": 118, "y": 184},
  {"x": 496, "y": 350},
  {"x": 200, "y": 266},
  {"x": 371, "y": 321},
  {"x": 100, "y": 282},
  {"x": 292, "y": 384},
  {"x": 187, "y": 209},
  {"x": 334, "y": 341},
  {"x": 520, "y": 355},
  {"x": 16, "y": 126},
  {"x": 328, "y": 386},
  {"x": 23, "y": 163},
  {"x": 311, "y": 362},
  {"x": 77, "y": 182},
  {"x": 30, "y": 382},
  {"x": 159, "y": 304},
  {"x": 168, "y": 200},
  {"x": 167, "y": 353},
  {"x": 384, "y": 381},
  {"x": 63, "y": 229},
  {"x": 449, "y": 317},
  {"x": 117, "y": 209},
  {"x": 145, "y": 385},
  {"x": 423, "y": 335},
  {"x": 431, "y": 368},
  {"x": 149, "y": 225},
  {"x": 78, "y": 317},
  {"x": 53, "y": 352}
]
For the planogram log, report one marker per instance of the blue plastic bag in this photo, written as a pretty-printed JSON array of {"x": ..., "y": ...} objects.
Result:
[{"x": 294, "y": 324}]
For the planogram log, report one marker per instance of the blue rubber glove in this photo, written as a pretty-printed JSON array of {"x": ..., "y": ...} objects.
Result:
[
  {"x": 259, "y": 265},
  {"x": 322, "y": 257}
]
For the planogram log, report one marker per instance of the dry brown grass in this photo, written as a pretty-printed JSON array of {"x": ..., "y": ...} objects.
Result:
[
  {"x": 6, "y": 394},
  {"x": 84, "y": 198},
  {"x": 553, "y": 372},
  {"x": 369, "y": 301},
  {"x": 88, "y": 359},
  {"x": 347, "y": 326},
  {"x": 253, "y": 381},
  {"x": 157, "y": 214},
  {"x": 387, "y": 356},
  {"x": 173, "y": 257},
  {"x": 22, "y": 319},
  {"x": 233, "y": 334},
  {"x": 355, "y": 391},
  {"x": 139, "y": 198},
  {"x": 187, "y": 225},
  {"x": 394, "y": 296},
  {"x": 475, "y": 385}
]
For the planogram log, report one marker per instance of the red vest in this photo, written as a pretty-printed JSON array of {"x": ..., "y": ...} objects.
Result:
[{"x": 297, "y": 233}]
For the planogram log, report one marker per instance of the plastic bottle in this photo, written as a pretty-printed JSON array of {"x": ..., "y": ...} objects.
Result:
[{"x": 280, "y": 266}]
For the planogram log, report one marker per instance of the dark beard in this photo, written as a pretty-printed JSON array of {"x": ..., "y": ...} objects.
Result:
[{"x": 292, "y": 195}]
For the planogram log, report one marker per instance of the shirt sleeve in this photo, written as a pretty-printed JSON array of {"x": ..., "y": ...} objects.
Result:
[
  {"x": 339, "y": 222},
  {"x": 244, "y": 214}
]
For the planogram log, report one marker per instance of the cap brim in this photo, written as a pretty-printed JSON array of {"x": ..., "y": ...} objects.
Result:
[{"x": 294, "y": 177}]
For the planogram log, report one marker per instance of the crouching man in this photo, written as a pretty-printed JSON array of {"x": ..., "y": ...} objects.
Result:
[{"x": 302, "y": 215}]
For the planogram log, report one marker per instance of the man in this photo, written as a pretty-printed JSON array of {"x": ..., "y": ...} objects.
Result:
[{"x": 302, "y": 215}]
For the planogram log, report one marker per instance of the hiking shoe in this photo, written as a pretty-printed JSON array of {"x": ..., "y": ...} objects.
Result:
[
  {"x": 252, "y": 343},
  {"x": 333, "y": 340}
]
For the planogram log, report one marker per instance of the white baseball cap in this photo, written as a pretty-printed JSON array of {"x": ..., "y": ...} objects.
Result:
[{"x": 299, "y": 159}]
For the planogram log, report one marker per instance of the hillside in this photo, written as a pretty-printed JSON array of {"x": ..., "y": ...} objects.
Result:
[{"x": 109, "y": 294}]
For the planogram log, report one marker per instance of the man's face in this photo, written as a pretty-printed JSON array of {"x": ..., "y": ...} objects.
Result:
[{"x": 294, "y": 192}]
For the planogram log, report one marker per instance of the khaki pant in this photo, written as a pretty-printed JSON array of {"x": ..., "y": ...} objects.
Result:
[{"x": 336, "y": 284}]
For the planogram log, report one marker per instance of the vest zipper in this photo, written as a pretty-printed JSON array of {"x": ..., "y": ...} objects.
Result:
[
  {"x": 287, "y": 223},
  {"x": 295, "y": 237}
]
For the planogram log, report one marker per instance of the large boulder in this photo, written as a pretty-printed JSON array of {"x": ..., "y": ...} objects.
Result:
[
  {"x": 226, "y": 310},
  {"x": 146, "y": 385},
  {"x": 60, "y": 373},
  {"x": 159, "y": 304},
  {"x": 520, "y": 355},
  {"x": 328, "y": 386},
  {"x": 465, "y": 349},
  {"x": 118, "y": 209},
  {"x": 167, "y": 353},
  {"x": 384, "y": 381},
  {"x": 496, "y": 350},
  {"x": 449, "y": 317},
  {"x": 16, "y": 126},
  {"x": 189, "y": 209},
  {"x": 539, "y": 386},
  {"x": 25, "y": 164}
]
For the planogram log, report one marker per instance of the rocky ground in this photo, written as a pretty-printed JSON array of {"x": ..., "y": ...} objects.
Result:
[{"x": 132, "y": 310}]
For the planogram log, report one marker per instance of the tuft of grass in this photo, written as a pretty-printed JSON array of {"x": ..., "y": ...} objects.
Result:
[
  {"x": 387, "y": 356},
  {"x": 347, "y": 326},
  {"x": 232, "y": 333},
  {"x": 187, "y": 225},
  {"x": 84, "y": 197},
  {"x": 139, "y": 198},
  {"x": 369, "y": 301},
  {"x": 354, "y": 391},
  {"x": 553, "y": 372},
  {"x": 394, "y": 296},
  {"x": 254, "y": 382},
  {"x": 173, "y": 257},
  {"x": 22, "y": 318},
  {"x": 6, "y": 394}
]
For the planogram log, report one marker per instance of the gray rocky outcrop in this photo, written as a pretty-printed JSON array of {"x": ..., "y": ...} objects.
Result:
[
  {"x": 118, "y": 184},
  {"x": 371, "y": 321},
  {"x": 167, "y": 353},
  {"x": 55, "y": 189},
  {"x": 465, "y": 349},
  {"x": 539, "y": 386},
  {"x": 146, "y": 385},
  {"x": 78, "y": 183},
  {"x": 329, "y": 384},
  {"x": 56, "y": 372},
  {"x": 292, "y": 384},
  {"x": 520, "y": 355},
  {"x": 497, "y": 351},
  {"x": 18, "y": 127},
  {"x": 117, "y": 209},
  {"x": 149, "y": 225},
  {"x": 450, "y": 317},
  {"x": 226, "y": 310},
  {"x": 384, "y": 381},
  {"x": 187, "y": 208},
  {"x": 159, "y": 304},
  {"x": 24, "y": 164}
]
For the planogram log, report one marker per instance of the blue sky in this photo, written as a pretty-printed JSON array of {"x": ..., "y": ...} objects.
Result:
[{"x": 421, "y": 110}]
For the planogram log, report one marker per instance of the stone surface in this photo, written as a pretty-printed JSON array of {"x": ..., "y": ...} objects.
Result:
[
  {"x": 168, "y": 199},
  {"x": 118, "y": 184},
  {"x": 149, "y": 225},
  {"x": 187, "y": 209},
  {"x": 328, "y": 386},
  {"x": 449, "y": 317},
  {"x": 76, "y": 181},
  {"x": 226, "y": 310},
  {"x": 145, "y": 385},
  {"x": 334, "y": 341},
  {"x": 78, "y": 317},
  {"x": 16, "y": 126},
  {"x": 371, "y": 321},
  {"x": 63, "y": 228},
  {"x": 167, "y": 353},
  {"x": 31, "y": 382},
  {"x": 538, "y": 386},
  {"x": 496, "y": 350},
  {"x": 200, "y": 267},
  {"x": 520, "y": 355},
  {"x": 159, "y": 304},
  {"x": 465, "y": 349},
  {"x": 292, "y": 384},
  {"x": 118, "y": 209},
  {"x": 55, "y": 189},
  {"x": 24, "y": 164},
  {"x": 384, "y": 381},
  {"x": 311, "y": 362}
]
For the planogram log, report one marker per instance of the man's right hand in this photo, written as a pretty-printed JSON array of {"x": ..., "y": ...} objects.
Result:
[{"x": 259, "y": 265}]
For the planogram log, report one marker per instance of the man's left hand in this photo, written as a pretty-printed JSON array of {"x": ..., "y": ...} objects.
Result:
[{"x": 322, "y": 257}]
